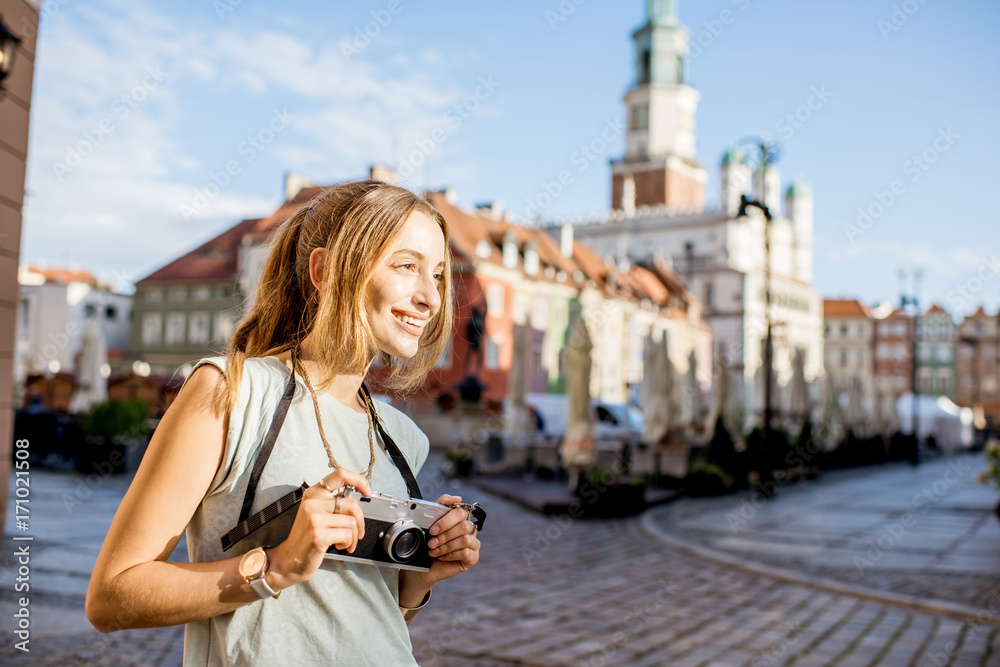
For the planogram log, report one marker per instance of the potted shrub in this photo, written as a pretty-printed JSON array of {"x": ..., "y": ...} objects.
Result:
[
  {"x": 706, "y": 479},
  {"x": 461, "y": 462},
  {"x": 110, "y": 427},
  {"x": 604, "y": 493},
  {"x": 991, "y": 475}
]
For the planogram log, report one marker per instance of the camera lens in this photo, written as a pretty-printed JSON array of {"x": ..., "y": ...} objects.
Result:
[
  {"x": 406, "y": 544},
  {"x": 403, "y": 541}
]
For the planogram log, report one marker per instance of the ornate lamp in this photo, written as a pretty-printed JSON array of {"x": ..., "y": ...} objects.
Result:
[{"x": 8, "y": 50}]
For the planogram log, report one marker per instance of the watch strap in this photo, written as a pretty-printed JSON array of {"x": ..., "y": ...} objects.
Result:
[{"x": 263, "y": 589}]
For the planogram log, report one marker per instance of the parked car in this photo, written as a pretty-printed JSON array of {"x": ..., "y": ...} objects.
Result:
[{"x": 614, "y": 424}]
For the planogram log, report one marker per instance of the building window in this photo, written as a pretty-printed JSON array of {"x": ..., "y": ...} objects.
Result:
[
  {"x": 154, "y": 295},
  {"x": 540, "y": 313},
  {"x": 89, "y": 310},
  {"x": 862, "y": 330},
  {"x": 990, "y": 384},
  {"x": 177, "y": 294},
  {"x": 883, "y": 351},
  {"x": 639, "y": 119},
  {"x": 988, "y": 352},
  {"x": 201, "y": 294},
  {"x": 944, "y": 353},
  {"x": 843, "y": 331},
  {"x": 899, "y": 351},
  {"x": 198, "y": 328},
  {"x": 152, "y": 328},
  {"x": 710, "y": 295},
  {"x": 969, "y": 352},
  {"x": 826, "y": 331},
  {"x": 843, "y": 358},
  {"x": 110, "y": 313},
  {"x": 537, "y": 365},
  {"x": 859, "y": 356},
  {"x": 494, "y": 300},
  {"x": 924, "y": 352},
  {"x": 944, "y": 381},
  {"x": 520, "y": 314},
  {"x": 884, "y": 329},
  {"x": 175, "y": 329},
  {"x": 901, "y": 329},
  {"x": 493, "y": 352}
]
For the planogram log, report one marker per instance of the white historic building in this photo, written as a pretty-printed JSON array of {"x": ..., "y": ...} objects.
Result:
[{"x": 658, "y": 209}]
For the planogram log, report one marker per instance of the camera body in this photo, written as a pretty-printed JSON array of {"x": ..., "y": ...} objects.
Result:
[{"x": 396, "y": 531}]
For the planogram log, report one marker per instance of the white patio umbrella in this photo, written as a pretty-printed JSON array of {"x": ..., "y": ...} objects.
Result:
[
  {"x": 888, "y": 417},
  {"x": 691, "y": 400},
  {"x": 856, "y": 417},
  {"x": 91, "y": 384},
  {"x": 577, "y": 448},
  {"x": 832, "y": 413},
  {"x": 657, "y": 403},
  {"x": 720, "y": 380},
  {"x": 515, "y": 412},
  {"x": 797, "y": 390}
]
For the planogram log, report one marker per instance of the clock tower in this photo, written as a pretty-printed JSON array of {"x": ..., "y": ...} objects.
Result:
[{"x": 659, "y": 166}]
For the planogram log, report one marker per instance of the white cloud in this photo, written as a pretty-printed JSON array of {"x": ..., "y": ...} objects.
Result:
[{"x": 117, "y": 211}]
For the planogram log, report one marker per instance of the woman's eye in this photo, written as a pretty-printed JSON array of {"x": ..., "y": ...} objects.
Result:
[{"x": 439, "y": 277}]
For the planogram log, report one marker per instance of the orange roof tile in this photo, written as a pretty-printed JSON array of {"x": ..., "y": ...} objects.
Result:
[
  {"x": 64, "y": 276},
  {"x": 845, "y": 308}
]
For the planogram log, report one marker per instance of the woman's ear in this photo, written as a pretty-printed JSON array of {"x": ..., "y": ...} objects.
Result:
[{"x": 317, "y": 266}]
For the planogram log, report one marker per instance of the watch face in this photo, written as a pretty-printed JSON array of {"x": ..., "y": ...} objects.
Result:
[{"x": 252, "y": 562}]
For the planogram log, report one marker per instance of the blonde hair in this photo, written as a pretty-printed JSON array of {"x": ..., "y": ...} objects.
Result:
[{"x": 356, "y": 223}]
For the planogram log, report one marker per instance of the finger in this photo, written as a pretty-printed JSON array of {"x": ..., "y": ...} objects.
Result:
[
  {"x": 462, "y": 528},
  {"x": 449, "y": 500},
  {"x": 351, "y": 507},
  {"x": 465, "y": 541},
  {"x": 449, "y": 520},
  {"x": 467, "y": 557},
  {"x": 342, "y": 476}
]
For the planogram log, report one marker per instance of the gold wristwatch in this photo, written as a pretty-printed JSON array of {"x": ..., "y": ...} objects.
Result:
[{"x": 253, "y": 567}]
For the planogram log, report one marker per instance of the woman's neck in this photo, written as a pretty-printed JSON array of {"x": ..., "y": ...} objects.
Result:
[{"x": 343, "y": 387}]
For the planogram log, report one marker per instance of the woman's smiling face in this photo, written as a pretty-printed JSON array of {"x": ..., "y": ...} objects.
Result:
[{"x": 403, "y": 294}]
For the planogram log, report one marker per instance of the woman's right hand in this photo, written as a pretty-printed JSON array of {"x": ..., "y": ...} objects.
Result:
[{"x": 317, "y": 528}]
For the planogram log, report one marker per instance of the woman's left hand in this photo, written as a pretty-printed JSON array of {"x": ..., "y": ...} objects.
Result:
[{"x": 454, "y": 543}]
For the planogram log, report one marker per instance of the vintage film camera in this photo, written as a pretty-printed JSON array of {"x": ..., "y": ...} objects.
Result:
[{"x": 397, "y": 530}]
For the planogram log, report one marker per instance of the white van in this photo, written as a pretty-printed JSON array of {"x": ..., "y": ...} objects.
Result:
[{"x": 614, "y": 424}]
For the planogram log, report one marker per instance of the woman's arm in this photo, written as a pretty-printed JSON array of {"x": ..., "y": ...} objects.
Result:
[{"x": 133, "y": 585}]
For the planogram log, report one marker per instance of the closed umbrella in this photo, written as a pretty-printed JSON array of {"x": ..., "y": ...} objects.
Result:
[
  {"x": 515, "y": 414},
  {"x": 691, "y": 404},
  {"x": 657, "y": 405},
  {"x": 797, "y": 390},
  {"x": 855, "y": 417},
  {"x": 577, "y": 448},
  {"x": 91, "y": 384}
]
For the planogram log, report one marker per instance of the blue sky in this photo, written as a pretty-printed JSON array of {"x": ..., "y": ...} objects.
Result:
[{"x": 161, "y": 97}]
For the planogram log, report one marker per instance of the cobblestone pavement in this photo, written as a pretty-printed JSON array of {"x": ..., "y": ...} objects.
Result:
[
  {"x": 926, "y": 532},
  {"x": 550, "y": 591}
]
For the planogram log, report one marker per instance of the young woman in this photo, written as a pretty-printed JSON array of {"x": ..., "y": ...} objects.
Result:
[{"x": 363, "y": 270}]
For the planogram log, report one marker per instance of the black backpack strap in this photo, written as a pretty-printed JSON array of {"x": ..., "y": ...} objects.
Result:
[
  {"x": 265, "y": 449},
  {"x": 397, "y": 456}
]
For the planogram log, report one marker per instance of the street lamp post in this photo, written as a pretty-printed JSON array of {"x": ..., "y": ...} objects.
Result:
[
  {"x": 904, "y": 301},
  {"x": 768, "y": 155}
]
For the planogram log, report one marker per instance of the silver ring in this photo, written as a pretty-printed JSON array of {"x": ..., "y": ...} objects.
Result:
[
  {"x": 322, "y": 483},
  {"x": 336, "y": 506}
]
